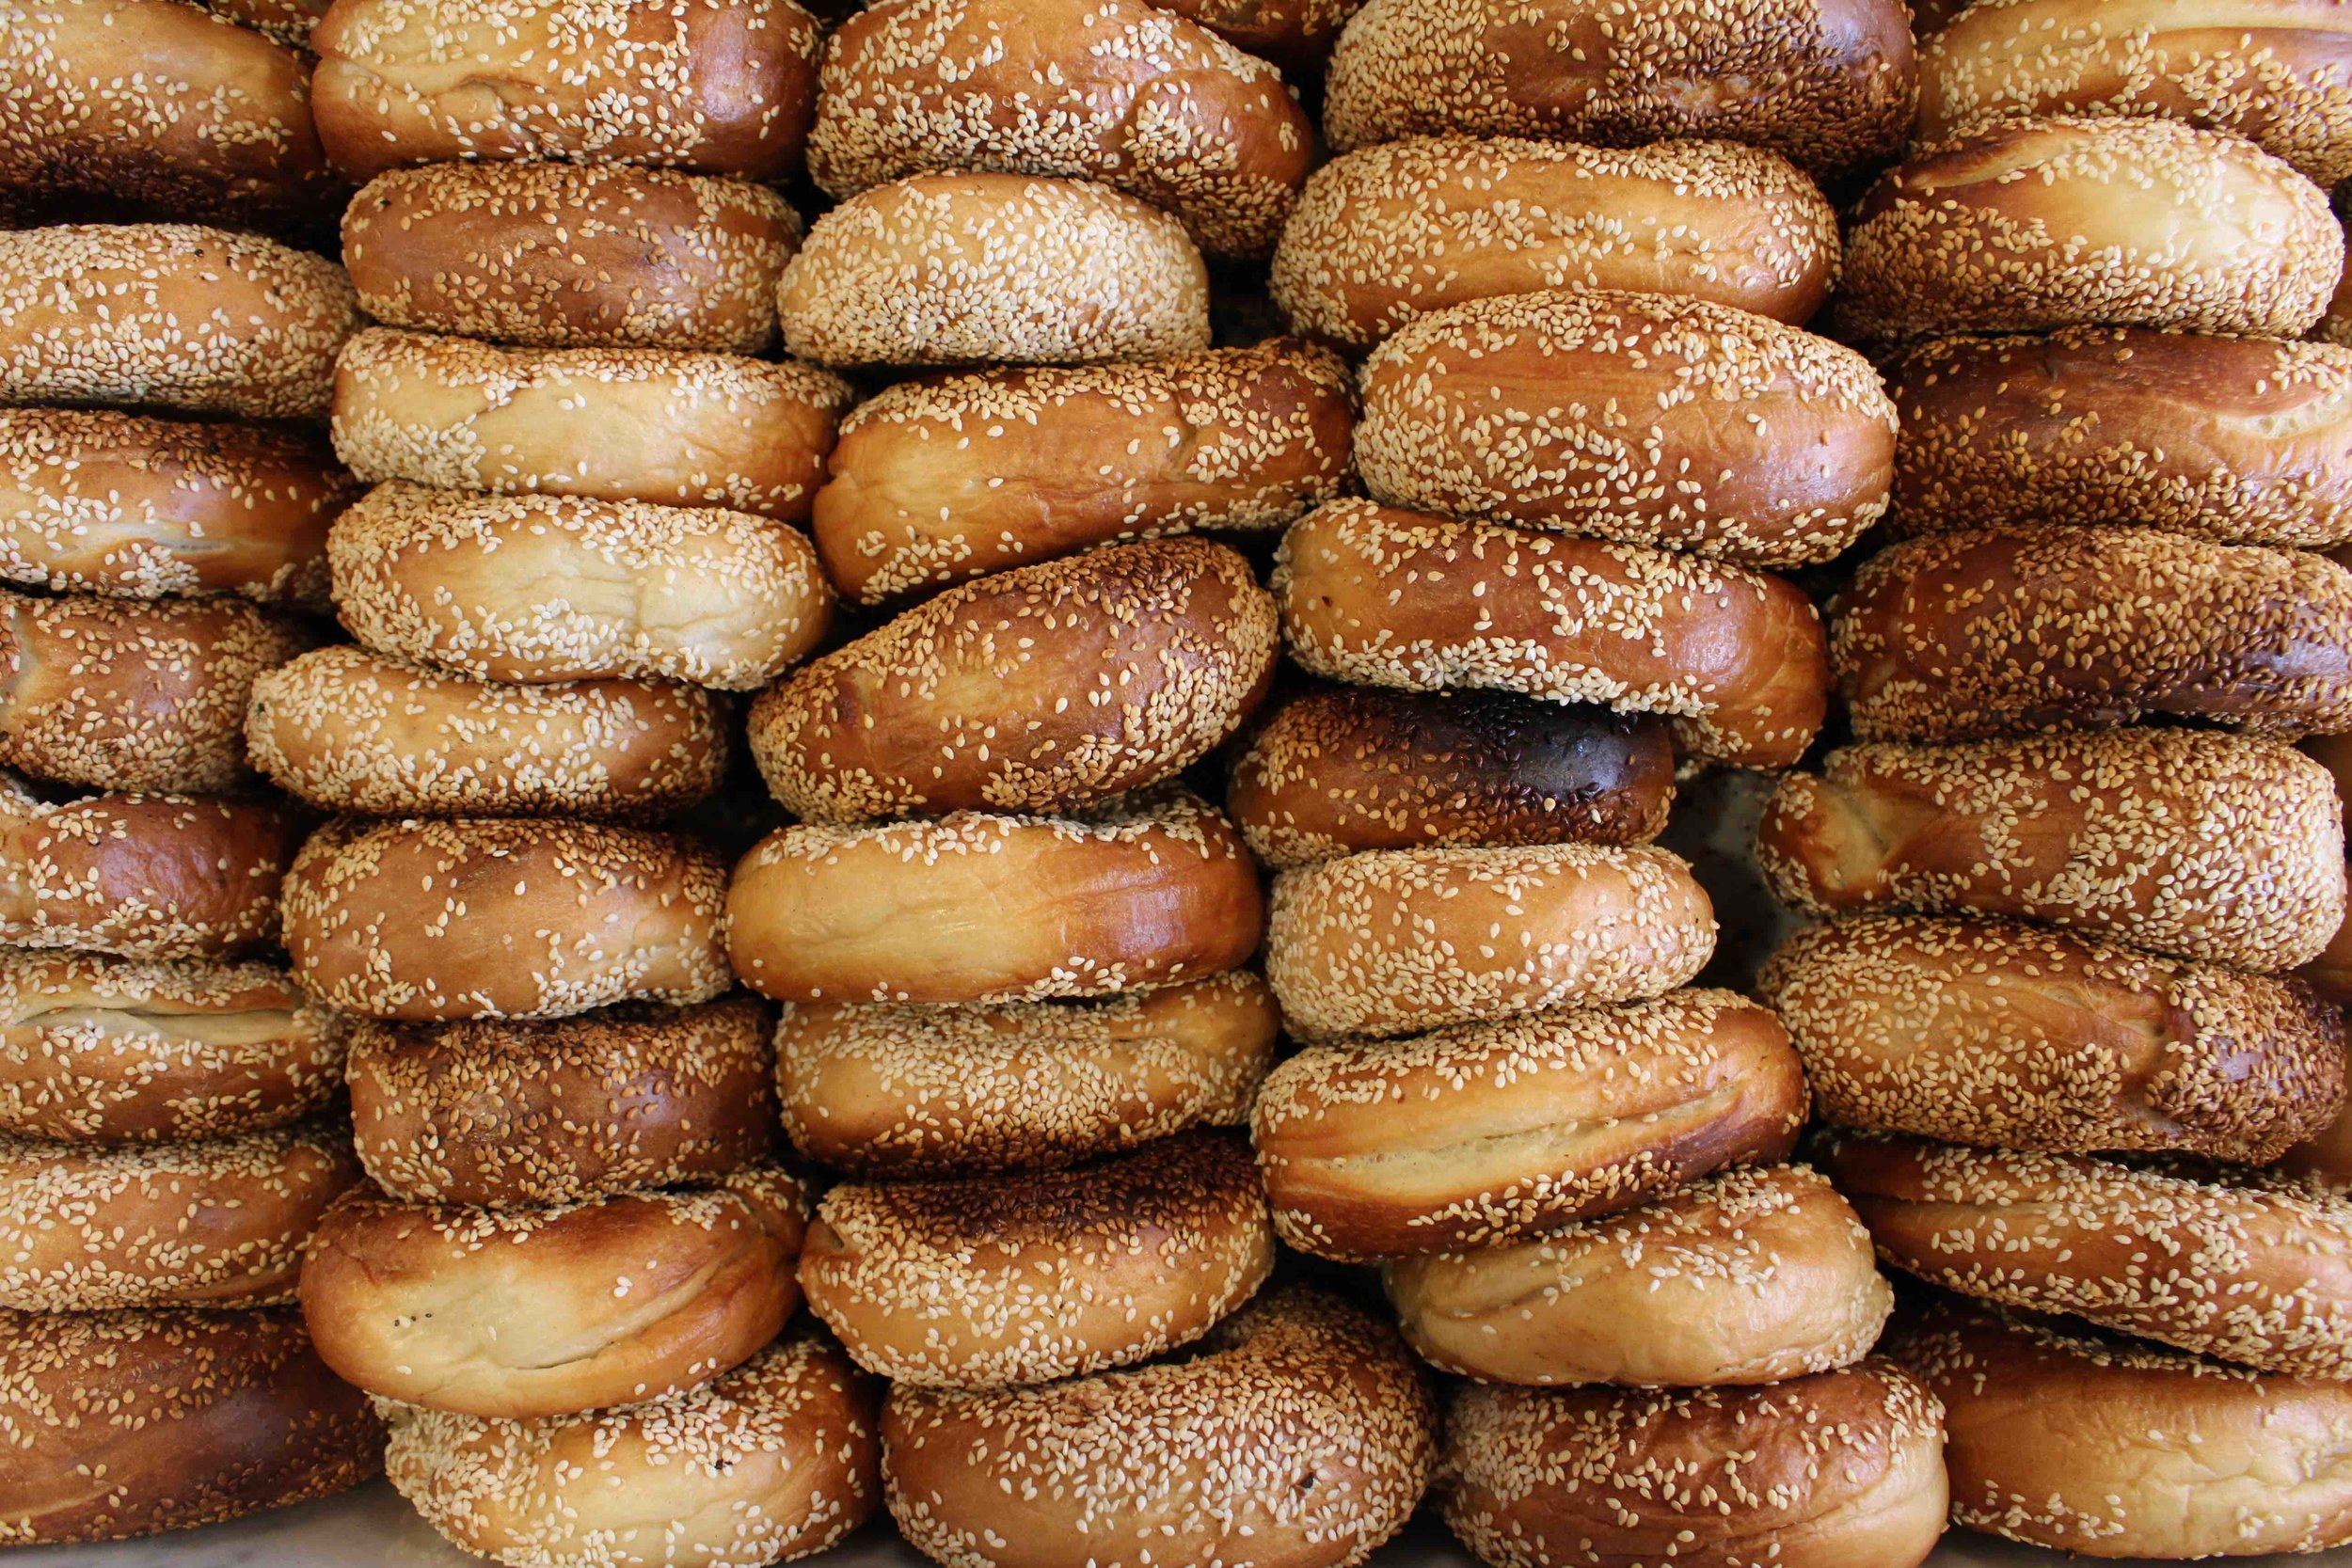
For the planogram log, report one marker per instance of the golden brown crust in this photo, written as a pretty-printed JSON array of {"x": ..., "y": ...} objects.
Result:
[
  {"x": 1380, "y": 596},
  {"x": 1483, "y": 1134},
  {"x": 2330, "y": 970}
]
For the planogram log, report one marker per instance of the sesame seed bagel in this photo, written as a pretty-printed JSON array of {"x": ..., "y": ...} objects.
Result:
[
  {"x": 1752, "y": 1275},
  {"x": 491, "y": 1111},
  {"x": 1390, "y": 941},
  {"x": 1827, "y": 1471},
  {"x": 1300, "y": 1434},
  {"x": 2244, "y": 1266},
  {"x": 2002, "y": 1034},
  {"x": 976, "y": 908},
  {"x": 2006, "y": 631},
  {"x": 1374, "y": 595},
  {"x": 166, "y": 315},
  {"x": 2205, "y": 845},
  {"x": 1687, "y": 424},
  {"x": 2236, "y": 439},
  {"x": 1389, "y": 233},
  {"x": 563, "y": 588},
  {"x": 992, "y": 1280},
  {"x": 1342, "y": 768},
  {"x": 2332, "y": 971},
  {"x": 943, "y": 478},
  {"x": 1119, "y": 91},
  {"x": 108, "y": 1049},
  {"x": 775, "y": 1460},
  {"x": 550, "y": 1312},
  {"x": 352, "y": 731},
  {"x": 1045, "y": 689},
  {"x": 123, "y": 1424},
  {"x": 566, "y": 256},
  {"x": 946, "y": 269},
  {"x": 717, "y": 86},
  {"x": 421, "y": 921},
  {"x": 219, "y": 1222},
  {"x": 287, "y": 21},
  {"x": 145, "y": 876},
  {"x": 1296, "y": 35},
  {"x": 2112, "y": 1448},
  {"x": 1830, "y": 83},
  {"x": 2336, "y": 325},
  {"x": 891, "y": 1089},
  {"x": 675, "y": 426},
  {"x": 2018, "y": 226},
  {"x": 1482, "y": 1133}
]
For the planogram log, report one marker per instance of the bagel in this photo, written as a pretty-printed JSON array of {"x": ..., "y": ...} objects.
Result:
[
  {"x": 711, "y": 85},
  {"x": 1342, "y": 768},
  {"x": 1378, "y": 597},
  {"x": 551, "y": 1311},
  {"x": 2006, "y": 1034},
  {"x": 1118, "y": 91},
  {"x": 164, "y": 315},
  {"x": 493, "y": 1112},
  {"x": 975, "y": 907},
  {"x": 1752, "y": 1275},
  {"x": 220, "y": 1222},
  {"x": 122, "y": 1424},
  {"x": 2210, "y": 846},
  {"x": 1296, "y": 35},
  {"x": 1830, "y": 83},
  {"x": 107, "y": 1050},
  {"x": 885, "y": 1089},
  {"x": 1827, "y": 1471},
  {"x": 678, "y": 427},
  {"x": 1395, "y": 940},
  {"x": 2247, "y": 1267},
  {"x": 287, "y": 21},
  {"x": 775, "y": 1460},
  {"x": 1300, "y": 1432},
  {"x": 1690, "y": 424},
  {"x": 965, "y": 701},
  {"x": 2331, "y": 972},
  {"x": 499, "y": 588},
  {"x": 945, "y": 269},
  {"x": 2324, "y": 1160},
  {"x": 2018, "y": 226},
  {"x": 2237, "y": 439},
  {"x": 565, "y": 256},
  {"x": 352, "y": 731},
  {"x": 943, "y": 478}
]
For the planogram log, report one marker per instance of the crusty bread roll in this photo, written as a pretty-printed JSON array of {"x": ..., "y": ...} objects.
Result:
[
  {"x": 352, "y": 731},
  {"x": 1829, "y": 1471},
  {"x": 947, "y": 269},
  {"x": 775, "y": 1460},
  {"x": 1391, "y": 941},
  {"x": 491, "y": 1111},
  {"x": 566, "y": 256},
  {"x": 217, "y": 1222},
  {"x": 167, "y": 315},
  {"x": 1379, "y": 596},
  {"x": 677, "y": 426},
  {"x": 1389, "y": 233},
  {"x": 943, "y": 478},
  {"x": 550, "y": 1312},
  {"x": 505, "y": 587},
  {"x": 1830, "y": 83},
  {"x": 2238, "y": 439},
  {"x": 717, "y": 86},
  {"x": 1483, "y": 1133},
  {"x": 894, "y": 1089},
  {"x": 1752, "y": 1275},
  {"x": 2017, "y": 226},
  {"x": 1300, "y": 1432},
  {"x": 106, "y": 1050},
  {"x": 1640, "y": 418},
  {"x": 1997, "y": 1033},
  {"x": 976, "y": 908},
  {"x": 124, "y": 1424},
  {"x": 1051, "y": 687}
]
